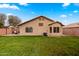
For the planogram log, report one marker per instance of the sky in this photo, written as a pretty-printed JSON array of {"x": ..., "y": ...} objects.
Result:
[{"x": 66, "y": 13}]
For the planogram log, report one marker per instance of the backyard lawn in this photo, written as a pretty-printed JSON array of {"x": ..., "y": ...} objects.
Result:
[{"x": 38, "y": 46}]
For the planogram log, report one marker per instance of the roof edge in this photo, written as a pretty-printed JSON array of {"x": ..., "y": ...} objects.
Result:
[
  {"x": 56, "y": 22},
  {"x": 34, "y": 19}
]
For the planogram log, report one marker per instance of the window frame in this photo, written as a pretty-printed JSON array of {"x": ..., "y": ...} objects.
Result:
[
  {"x": 56, "y": 29},
  {"x": 50, "y": 29},
  {"x": 41, "y": 24},
  {"x": 28, "y": 29}
]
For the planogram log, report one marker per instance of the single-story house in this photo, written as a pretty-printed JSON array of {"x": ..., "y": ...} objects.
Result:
[
  {"x": 71, "y": 29},
  {"x": 41, "y": 25}
]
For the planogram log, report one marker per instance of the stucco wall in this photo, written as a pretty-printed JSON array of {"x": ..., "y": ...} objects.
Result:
[
  {"x": 37, "y": 30},
  {"x": 60, "y": 30}
]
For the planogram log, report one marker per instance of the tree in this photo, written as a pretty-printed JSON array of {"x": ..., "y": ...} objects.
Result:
[
  {"x": 1, "y": 25},
  {"x": 2, "y": 19},
  {"x": 14, "y": 20}
]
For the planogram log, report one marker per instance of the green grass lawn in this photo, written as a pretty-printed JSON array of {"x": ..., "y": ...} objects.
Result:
[{"x": 38, "y": 46}]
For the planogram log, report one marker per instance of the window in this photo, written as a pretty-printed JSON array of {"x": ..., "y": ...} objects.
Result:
[
  {"x": 56, "y": 29},
  {"x": 50, "y": 29},
  {"x": 40, "y": 24},
  {"x": 28, "y": 29}
]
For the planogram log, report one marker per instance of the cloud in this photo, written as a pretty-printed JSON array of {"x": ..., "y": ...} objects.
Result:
[
  {"x": 63, "y": 16},
  {"x": 9, "y": 14},
  {"x": 33, "y": 12},
  {"x": 70, "y": 14},
  {"x": 75, "y": 11},
  {"x": 66, "y": 4},
  {"x": 23, "y": 3},
  {"x": 9, "y": 6},
  {"x": 76, "y": 4}
]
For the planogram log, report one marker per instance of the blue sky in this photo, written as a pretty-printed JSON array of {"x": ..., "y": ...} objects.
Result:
[{"x": 64, "y": 12}]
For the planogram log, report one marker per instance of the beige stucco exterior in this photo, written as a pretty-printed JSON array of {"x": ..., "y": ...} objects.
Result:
[
  {"x": 39, "y": 30},
  {"x": 60, "y": 30}
]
